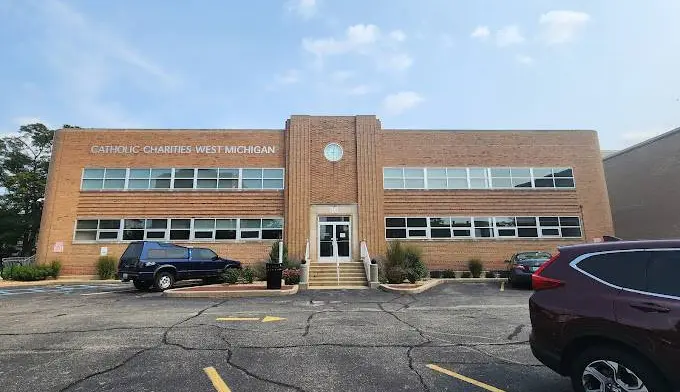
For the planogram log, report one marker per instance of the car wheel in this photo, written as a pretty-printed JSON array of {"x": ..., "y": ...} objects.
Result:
[
  {"x": 164, "y": 280},
  {"x": 141, "y": 285},
  {"x": 612, "y": 369}
]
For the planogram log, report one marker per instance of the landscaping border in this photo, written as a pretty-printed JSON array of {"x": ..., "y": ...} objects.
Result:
[{"x": 185, "y": 292}]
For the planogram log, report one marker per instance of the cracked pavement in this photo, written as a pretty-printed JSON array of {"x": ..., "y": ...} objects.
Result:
[{"x": 363, "y": 340}]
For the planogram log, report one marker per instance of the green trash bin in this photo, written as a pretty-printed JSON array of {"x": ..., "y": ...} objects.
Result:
[{"x": 274, "y": 276}]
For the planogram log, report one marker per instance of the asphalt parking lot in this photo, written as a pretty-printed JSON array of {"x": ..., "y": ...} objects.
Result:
[{"x": 112, "y": 338}]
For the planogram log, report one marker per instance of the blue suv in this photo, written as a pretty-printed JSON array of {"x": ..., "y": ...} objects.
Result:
[{"x": 160, "y": 264}]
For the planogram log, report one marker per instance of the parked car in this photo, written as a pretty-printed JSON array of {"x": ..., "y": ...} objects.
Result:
[
  {"x": 608, "y": 315},
  {"x": 159, "y": 264},
  {"x": 522, "y": 265}
]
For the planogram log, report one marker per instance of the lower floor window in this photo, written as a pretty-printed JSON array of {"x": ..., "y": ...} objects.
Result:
[
  {"x": 178, "y": 229},
  {"x": 482, "y": 227}
]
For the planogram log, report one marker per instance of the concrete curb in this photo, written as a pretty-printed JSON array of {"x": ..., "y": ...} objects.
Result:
[
  {"x": 415, "y": 290},
  {"x": 474, "y": 280},
  {"x": 178, "y": 293},
  {"x": 52, "y": 282}
]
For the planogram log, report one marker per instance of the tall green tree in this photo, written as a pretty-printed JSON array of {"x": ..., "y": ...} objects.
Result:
[{"x": 24, "y": 161}]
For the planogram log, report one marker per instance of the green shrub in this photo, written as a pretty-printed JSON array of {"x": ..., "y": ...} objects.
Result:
[
  {"x": 248, "y": 275},
  {"x": 55, "y": 266},
  {"x": 475, "y": 267},
  {"x": 274, "y": 253},
  {"x": 27, "y": 272},
  {"x": 106, "y": 267},
  {"x": 415, "y": 268},
  {"x": 231, "y": 275},
  {"x": 449, "y": 274},
  {"x": 260, "y": 270},
  {"x": 291, "y": 276},
  {"x": 466, "y": 275}
]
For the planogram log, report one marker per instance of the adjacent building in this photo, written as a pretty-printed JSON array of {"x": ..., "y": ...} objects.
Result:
[
  {"x": 324, "y": 185},
  {"x": 644, "y": 188}
]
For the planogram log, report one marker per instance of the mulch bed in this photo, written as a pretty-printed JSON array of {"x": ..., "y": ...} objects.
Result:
[{"x": 238, "y": 287}]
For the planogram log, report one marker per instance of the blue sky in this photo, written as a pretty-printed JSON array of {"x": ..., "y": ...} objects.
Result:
[{"x": 609, "y": 65}]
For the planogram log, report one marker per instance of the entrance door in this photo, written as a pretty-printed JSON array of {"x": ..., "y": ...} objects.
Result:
[{"x": 334, "y": 229}]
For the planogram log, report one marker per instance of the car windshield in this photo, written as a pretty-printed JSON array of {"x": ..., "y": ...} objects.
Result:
[{"x": 532, "y": 256}]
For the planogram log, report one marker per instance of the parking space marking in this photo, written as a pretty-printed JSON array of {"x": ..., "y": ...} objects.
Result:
[
  {"x": 503, "y": 286},
  {"x": 265, "y": 319},
  {"x": 463, "y": 378},
  {"x": 217, "y": 382}
]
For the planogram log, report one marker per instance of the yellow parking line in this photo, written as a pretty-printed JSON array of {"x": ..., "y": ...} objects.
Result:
[
  {"x": 463, "y": 378},
  {"x": 218, "y": 383}
]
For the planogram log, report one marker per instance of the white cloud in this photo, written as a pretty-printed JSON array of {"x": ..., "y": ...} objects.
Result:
[
  {"x": 509, "y": 35},
  {"x": 366, "y": 40},
  {"x": 88, "y": 59},
  {"x": 481, "y": 32},
  {"x": 26, "y": 120},
  {"x": 341, "y": 76},
  {"x": 398, "y": 35},
  {"x": 291, "y": 76},
  {"x": 361, "y": 89},
  {"x": 397, "y": 62},
  {"x": 559, "y": 26},
  {"x": 397, "y": 103},
  {"x": 306, "y": 9},
  {"x": 357, "y": 38},
  {"x": 524, "y": 59}
]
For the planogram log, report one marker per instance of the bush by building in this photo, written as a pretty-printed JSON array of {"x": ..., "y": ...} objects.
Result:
[
  {"x": 106, "y": 267},
  {"x": 475, "y": 266}
]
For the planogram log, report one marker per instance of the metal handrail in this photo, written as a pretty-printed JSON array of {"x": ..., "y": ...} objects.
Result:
[
  {"x": 337, "y": 260},
  {"x": 366, "y": 258},
  {"x": 306, "y": 270},
  {"x": 7, "y": 261}
]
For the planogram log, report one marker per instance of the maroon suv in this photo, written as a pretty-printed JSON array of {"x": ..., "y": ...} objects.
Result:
[{"x": 608, "y": 315}]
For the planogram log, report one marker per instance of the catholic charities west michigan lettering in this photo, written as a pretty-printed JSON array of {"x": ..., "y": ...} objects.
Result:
[{"x": 183, "y": 149}]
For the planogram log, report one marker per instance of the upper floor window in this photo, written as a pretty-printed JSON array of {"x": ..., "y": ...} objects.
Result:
[
  {"x": 476, "y": 178},
  {"x": 181, "y": 178}
]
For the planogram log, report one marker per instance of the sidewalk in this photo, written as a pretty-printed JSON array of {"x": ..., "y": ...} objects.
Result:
[{"x": 60, "y": 280}]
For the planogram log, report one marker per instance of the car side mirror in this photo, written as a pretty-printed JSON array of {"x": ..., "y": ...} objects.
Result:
[{"x": 215, "y": 257}]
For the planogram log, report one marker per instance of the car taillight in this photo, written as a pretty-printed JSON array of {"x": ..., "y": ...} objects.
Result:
[{"x": 539, "y": 282}]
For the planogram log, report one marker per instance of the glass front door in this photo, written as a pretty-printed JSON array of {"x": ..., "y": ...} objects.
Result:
[{"x": 334, "y": 238}]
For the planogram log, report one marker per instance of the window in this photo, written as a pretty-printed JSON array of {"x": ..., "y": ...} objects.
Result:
[
  {"x": 181, "y": 178},
  {"x": 457, "y": 178},
  {"x": 184, "y": 179},
  {"x": 661, "y": 273},
  {"x": 477, "y": 178},
  {"x": 133, "y": 229},
  {"x": 228, "y": 179},
  {"x": 172, "y": 252},
  {"x": 178, "y": 229},
  {"x": 103, "y": 179},
  {"x": 156, "y": 229},
  {"x": 139, "y": 179},
  {"x": 527, "y": 227},
  {"x": 160, "y": 178},
  {"x": 203, "y": 254},
  {"x": 506, "y": 227},
  {"x": 623, "y": 269},
  {"x": 482, "y": 227},
  {"x": 414, "y": 179},
  {"x": 436, "y": 178},
  {"x": 393, "y": 178},
  {"x": 260, "y": 228}
]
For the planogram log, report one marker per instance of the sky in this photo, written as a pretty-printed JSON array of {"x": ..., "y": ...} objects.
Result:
[{"x": 608, "y": 65}]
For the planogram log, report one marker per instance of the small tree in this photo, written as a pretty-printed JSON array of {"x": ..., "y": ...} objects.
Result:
[
  {"x": 274, "y": 253},
  {"x": 475, "y": 266}
]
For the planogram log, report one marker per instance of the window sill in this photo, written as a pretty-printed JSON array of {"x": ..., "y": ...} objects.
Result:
[
  {"x": 176, "y": 190},
  {"x": 178, "y": 242},
  {"x": 486, "y": 239}
]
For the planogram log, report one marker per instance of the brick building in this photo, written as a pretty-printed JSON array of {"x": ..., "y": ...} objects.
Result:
[
  {"x": 644, "y": 188},
  {"x": 457, "y": 194}
]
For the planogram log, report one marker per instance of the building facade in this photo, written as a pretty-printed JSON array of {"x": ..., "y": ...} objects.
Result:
[
  {"x": 644, "y": 188},
  {"x": 324, "y": 185}
]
